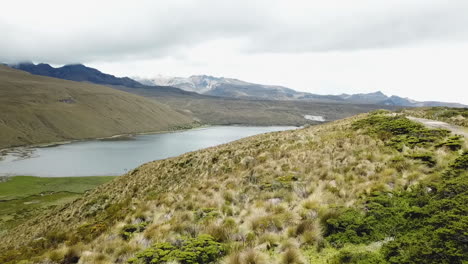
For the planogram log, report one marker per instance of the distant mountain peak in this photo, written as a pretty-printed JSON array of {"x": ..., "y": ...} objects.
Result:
[
  {"x": 235, "y": 88},
  {"x": 77, "y": 72},
  {"x": 77, "y": 65},
  {"x": 24, "y": 63},
  {"x": 379, "y": 93}
]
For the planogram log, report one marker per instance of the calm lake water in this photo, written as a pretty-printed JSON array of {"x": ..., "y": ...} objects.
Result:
[{"x": 95, "y": 157}]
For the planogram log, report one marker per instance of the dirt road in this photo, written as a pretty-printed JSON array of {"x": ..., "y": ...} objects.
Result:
[{"x": 438, "y": 124}]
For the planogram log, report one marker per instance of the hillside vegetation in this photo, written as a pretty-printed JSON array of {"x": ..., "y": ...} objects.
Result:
[
  {"x": 374, "y": 188},
  {"x": 37, "y": 109}
]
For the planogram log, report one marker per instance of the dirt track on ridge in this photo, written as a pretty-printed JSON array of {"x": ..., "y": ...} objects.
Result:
[{"x": 438, "y": 124}]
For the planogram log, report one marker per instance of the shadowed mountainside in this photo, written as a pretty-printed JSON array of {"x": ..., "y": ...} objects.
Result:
[{"x": 82, "y": 73}]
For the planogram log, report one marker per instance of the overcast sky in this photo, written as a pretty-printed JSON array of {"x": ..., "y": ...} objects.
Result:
[{"x": 411, "y": 48}]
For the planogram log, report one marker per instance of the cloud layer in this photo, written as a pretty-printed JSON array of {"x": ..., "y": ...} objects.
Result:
[{"x": 82, "y": 31}]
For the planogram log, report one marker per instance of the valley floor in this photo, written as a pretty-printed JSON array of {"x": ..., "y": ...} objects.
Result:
[{"x": 23, "y": 197}]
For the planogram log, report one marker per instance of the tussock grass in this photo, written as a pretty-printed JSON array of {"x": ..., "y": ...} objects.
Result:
[{"x": 267, "y": 198}]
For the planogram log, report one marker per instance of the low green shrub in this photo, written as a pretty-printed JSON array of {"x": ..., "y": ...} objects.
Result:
[
  {"x": 346, "y": 256},
  {"x": 453, "y": 143},
  {"x": 207, "y": 214},
  {"x": 426, "y": 158},
  {"x": 199, "y": 250},
  {"x": 427, "y": 224},
  {"x": 128, "y": 230},
  {"x": 436, "y": 231},
  {"x": 399, "y": 131}
]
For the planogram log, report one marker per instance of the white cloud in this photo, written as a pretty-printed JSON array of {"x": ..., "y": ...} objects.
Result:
[{"x": 70, "y": 31}]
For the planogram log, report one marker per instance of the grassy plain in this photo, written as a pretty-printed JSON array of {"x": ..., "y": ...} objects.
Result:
[{"x": 21, "y": 197}]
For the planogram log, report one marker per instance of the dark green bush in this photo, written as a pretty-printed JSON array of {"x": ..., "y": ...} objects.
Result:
[
  {"x": 346, "y": 256},
  {"x": 207, "y": 213},
  {"x": 459, "y": 166},
  {"x": 453, "y": 143},
  {"x": 426, "y": 158},
  {"x": 200, "y": 250},
  {"x": 349, "y": 227},
  {"x": 436, "y": 232},
  {"x": 393, "y": 125},
  {"x": 398, "y": 131},
  {"x": 379, "y": 112},
  {"x": 128, "y": 230},
  {"x": 428, "y": 223},
  {"x": 382, "y": 217}
]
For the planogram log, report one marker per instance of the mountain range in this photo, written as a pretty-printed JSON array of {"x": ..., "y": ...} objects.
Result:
[
  {"x": 82, "y": 73},
  {"x": 214, "y": 87},
  {"x": 229, "y": 87},
  {"x": 207, "y": 109}
]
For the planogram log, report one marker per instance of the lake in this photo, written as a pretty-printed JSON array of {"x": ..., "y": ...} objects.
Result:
[{"x": 116, "y": 157}]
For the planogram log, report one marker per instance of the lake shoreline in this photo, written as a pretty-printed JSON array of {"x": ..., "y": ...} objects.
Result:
[
  {"x": 116, "y": 137},
  {"x": 118, "y": 154}
]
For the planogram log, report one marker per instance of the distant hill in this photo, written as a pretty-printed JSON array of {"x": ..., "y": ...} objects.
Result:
[
  {"x": 77, "y": 72},
  {"x": 37, "y": 109},
  {"x": 365, "y": 98},
  {"x": 234, "y": 88}
]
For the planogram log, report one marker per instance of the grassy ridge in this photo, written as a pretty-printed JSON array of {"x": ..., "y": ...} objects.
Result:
[
  {"x": 281, "y": 197},
  {"x": 37, "y": 109}
]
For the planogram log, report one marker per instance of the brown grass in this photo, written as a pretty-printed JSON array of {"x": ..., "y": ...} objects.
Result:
[{"x": 265, "y": 209}]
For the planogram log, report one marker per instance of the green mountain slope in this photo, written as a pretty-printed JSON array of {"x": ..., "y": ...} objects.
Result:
[
  {"x": 37, "y": 109},
  {"x": 367, "y": 189}
]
